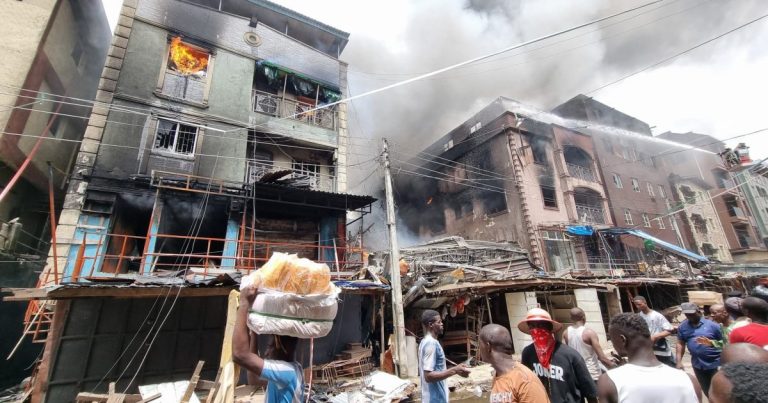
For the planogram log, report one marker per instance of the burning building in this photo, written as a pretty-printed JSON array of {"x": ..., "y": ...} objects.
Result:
[
  {"x": 516, "y": 174},
  {"x": 215, "y": 141}
]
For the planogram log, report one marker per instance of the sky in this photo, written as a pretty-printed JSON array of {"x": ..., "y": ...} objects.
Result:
[{"x": 717, "y": 89}]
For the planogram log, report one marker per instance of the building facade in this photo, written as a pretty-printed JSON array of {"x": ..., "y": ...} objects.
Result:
[
  {"x": 726, "y": 188},
  {"x": 215, "y": 141}
]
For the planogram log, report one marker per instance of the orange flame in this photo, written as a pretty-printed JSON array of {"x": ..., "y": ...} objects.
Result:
[
  {"x": 429, "y": 201},
  {"x": 187, "y": 60}
]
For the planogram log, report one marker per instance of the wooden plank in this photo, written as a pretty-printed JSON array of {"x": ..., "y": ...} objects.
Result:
[
  {"x": 25, "y": 294},
  {"x": 52, "y": 341},
  {"x": 192, "y": 382},
  {"x": 84, "y": 397},
  {"x": 151, "y": 398}
]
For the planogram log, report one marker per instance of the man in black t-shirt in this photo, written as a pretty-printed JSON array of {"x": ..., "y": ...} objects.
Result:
[{"x": 559, "y": 367}]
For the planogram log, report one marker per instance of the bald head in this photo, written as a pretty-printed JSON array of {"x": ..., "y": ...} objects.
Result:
[
  {"x": 577, "y": 314},
  {"x": 743, "y": 352},
  {"x": 498, "y": 337}
]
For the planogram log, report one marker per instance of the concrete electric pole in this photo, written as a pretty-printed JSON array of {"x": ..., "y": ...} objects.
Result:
[{"x": 400, "y": 356}]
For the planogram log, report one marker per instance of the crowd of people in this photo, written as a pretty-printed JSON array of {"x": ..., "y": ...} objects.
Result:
[{"x": 729, "y": 357}]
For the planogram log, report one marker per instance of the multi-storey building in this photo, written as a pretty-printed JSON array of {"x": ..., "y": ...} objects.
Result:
[
  {"x": 520, "y": 175},
  {"x": 727, "y": 190},
  {"x": 52, "y": 51},
  {"x": 636, "y": 180},
  {"x": 754, "y": 187},
  {"x": 701, "y": 223},
  {"x": 214, "y": 141}
]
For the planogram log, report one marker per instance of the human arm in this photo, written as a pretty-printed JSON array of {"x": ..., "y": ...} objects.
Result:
[
  {"x": 667, "y": 328},
  {"x": 565, "y": 337},
  {"x": 242, "y": 353},
  {"x": 428, "y": 362},
  {"x": 606, "y": 390},
  {"x": 592, "y": 340},
  {"x": 680, "y": 352},
  {"x": 696, "y": 386},
  {"x": 254, "y": 379},
  {"x": 584, "y": 380}
]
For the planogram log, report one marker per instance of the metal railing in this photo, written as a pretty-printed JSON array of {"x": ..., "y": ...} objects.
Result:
[
  {"x": 274, "y": 105},
  {"x": 590, "y": 214},
  {"x": 580, "y": 172},
  {"x": 203, "y": 254},
  {"x": 309, "y": 175}
]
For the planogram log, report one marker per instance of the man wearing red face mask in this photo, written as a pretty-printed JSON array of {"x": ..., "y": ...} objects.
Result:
[{"x": 559, "y": 367}]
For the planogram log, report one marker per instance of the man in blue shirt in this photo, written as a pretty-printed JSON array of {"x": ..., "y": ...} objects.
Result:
[
  {"x": 704, "y": 359},
  {"x": 432, "y": 369},
  {"x": 284, "y": 376}
]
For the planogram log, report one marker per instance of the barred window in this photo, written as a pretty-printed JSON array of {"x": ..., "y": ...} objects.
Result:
[{"x": 175, "y": 137}]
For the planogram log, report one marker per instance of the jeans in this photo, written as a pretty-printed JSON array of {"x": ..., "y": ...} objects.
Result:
[{"x": 704, "y": 376}]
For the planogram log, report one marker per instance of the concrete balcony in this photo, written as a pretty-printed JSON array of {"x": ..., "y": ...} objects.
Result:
[
  {"x": 308, "y": 176},
  {"x": 590, "y": 214},
  {"x": 274, "y": 105},
  {"x": 580, "y": 172}
]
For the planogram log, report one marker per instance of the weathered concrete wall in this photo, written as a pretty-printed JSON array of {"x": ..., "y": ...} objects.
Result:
[
  {"x": 23, "y": 26},
  {"x": 226, "y": 31}
]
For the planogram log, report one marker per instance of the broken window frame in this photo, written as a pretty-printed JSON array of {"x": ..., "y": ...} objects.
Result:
[
  {"x": 172, "y": 151},
  {"x": 164, "y": 70}
]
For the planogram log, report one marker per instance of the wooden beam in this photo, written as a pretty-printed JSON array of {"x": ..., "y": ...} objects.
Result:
[
  {"x": 192, "y": 383},
  {"x": 25, "y": 294}
]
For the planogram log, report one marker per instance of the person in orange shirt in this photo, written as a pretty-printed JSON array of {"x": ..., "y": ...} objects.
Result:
[{"x": 514, "y": 382}]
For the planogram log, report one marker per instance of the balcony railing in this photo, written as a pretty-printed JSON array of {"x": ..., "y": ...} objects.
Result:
[
  {"x": 303, "y": 175},
  {"x": 590, "y": 214},
  {"x": 580, "y": 172},
  {"x": 274, "y": 105}
]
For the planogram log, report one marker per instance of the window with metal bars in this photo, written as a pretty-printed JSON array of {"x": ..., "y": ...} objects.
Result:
[{"x": 175, "y": 137}]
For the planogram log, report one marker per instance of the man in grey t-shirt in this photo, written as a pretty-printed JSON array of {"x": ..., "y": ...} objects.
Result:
[{"x": 660, "y": 328}]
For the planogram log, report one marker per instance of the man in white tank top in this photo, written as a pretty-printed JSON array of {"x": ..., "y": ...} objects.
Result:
[
  {"x": 585, "y": 341},
  {"x": 644, "y": 379}
]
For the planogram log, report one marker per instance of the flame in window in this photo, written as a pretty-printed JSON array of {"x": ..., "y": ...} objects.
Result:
[{"x": 187, "y": 60}]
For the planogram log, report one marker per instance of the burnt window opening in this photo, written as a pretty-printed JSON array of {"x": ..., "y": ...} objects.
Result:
[
  {"x": 559, "y": 252},
  {"x": 688, "y": 194},
  {"x": 130, "y": 224},
  {"x": 191, "y": 233},
  {"x": 549, "y": 196},
  {"x": 493, "y": 202},
  {"x": 722, "y": 179},
  {"x": 175, "y": 137},
  {"x": 742, "y": 233},
  {"x": 462, "y": 208},
  {"x": 186, "y": 72},
  {"x": 733, "y": 206},
  {"x": 699, "y": 223},
  {"x": 709, "y": 250},
  {"x": 538, "y": 149},
  {"x": 579, "y": 163},
  {"x": 589, "y": 205}
]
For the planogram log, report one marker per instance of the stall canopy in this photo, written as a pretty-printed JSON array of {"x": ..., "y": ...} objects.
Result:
[{"x": 658, "y": 242}]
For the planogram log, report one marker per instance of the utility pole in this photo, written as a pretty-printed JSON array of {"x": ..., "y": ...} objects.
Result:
[{"x": 400, "y": 355}]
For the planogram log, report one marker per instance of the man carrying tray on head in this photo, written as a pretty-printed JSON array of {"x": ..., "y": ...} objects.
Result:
[{"x": 284, "y": 376}]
